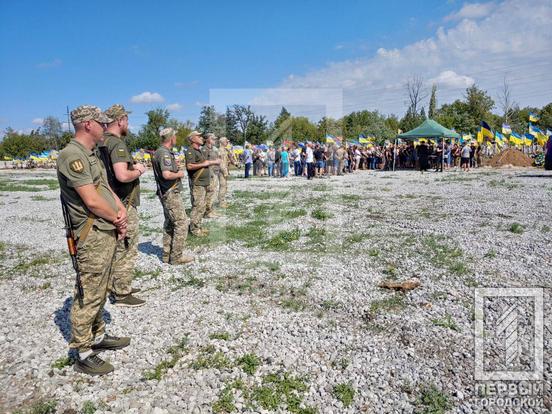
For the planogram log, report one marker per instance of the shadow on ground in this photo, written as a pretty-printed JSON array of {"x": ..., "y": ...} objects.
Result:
[
  {"x": 151, "y": 249},
  {"x": 62, "y": 318}
]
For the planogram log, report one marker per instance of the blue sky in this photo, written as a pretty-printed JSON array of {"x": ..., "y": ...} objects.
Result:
[{"x": 172, "y": 53}]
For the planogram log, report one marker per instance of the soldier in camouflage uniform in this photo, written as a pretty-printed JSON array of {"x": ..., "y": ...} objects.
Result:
[
  {"x": 198, "y": 171},
  {"x": 226, "y": 157},
  {"x": 126, "y": 184},
  {"x": 169, "y": 184},
  {"x": 211, "y": 153},
  {"x": 98, "y": 218}
]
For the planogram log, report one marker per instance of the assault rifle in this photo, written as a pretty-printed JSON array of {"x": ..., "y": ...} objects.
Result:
[{"x": 72, "y": 247}]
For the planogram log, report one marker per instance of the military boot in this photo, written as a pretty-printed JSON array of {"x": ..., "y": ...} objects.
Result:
[
  {"x": 111, "y": 343},
  {"x": 184, "y": 259},
  {"x": 129, "y": 300},
  {"x": 93, "y": 365},
  {"x": 135, "y": 290}
]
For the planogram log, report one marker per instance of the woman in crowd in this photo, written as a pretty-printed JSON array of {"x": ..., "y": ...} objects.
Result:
[{"x": 284, "y": 162}]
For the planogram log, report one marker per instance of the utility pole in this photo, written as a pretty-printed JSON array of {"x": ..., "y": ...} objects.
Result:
[{"x": 68, "y": 119}]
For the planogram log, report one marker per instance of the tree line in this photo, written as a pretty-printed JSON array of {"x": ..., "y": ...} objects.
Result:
[{"x": 241, "y": 124}]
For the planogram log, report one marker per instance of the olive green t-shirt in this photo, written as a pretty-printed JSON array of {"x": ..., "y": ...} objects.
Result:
[
  {"x": 118, "y": 152},
  {"x": 200, "y": 176},
  {"x": 78, "y": 166},
  {"x": 164, "y": 160}
]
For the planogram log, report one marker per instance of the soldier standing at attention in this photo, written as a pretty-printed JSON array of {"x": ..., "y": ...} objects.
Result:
[
  {"x": 126, "y": 184},
  {"x": 198, "y": 171},
  {"x": 211, "y": 153},
  {"x": 225, "y": 157},
  {"x": 97, "y": 218},
  {"x": 169, "y": 189}
]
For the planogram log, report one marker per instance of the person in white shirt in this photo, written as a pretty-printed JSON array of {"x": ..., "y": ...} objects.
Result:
[{"x": 310, "y": 162}]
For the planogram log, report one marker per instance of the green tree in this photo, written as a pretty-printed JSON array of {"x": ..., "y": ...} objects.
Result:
[
  {"x": 258, "y": 129},
  {"x": 281, "y": 130},
  {"x": 432, "y": 102},
  {"x": 479, "y": 104},
  {"x": 17, "y": 145},
  {"x": 302, "y": 129}
]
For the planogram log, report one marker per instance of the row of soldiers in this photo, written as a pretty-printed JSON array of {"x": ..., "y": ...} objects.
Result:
[{"x": 100, "y": 195}]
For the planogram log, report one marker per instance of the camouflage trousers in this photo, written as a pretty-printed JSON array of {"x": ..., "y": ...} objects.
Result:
[
  {"x": 125, "y": 258},
  {"x": 199, "y": 193},
  {"x": 223, "y": 188},
  {"x": 95, "y": 258},
  {"x": 175, "y": 228},
  {"x": 212, "y": 192}
]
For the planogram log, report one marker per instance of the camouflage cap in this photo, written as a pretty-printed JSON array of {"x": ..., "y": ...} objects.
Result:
[
  {"x": 167, "y": 133},
  {"x": 223, "y": 139},
  {"x": 85, "y": 113},
  {"x": 194, "y": 134},
  {"x": 116, "y": 112},
  {"x": 210, "y": 135}
]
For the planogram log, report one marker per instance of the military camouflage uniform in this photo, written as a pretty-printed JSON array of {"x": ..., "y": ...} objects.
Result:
[
  {"x": 175, "y": 228},
  {"x": 214, "y": 170},
  {"x": 129, "y": 193},
  {"x": 200, "y": 180},
  {"x": 225, "y": 158},
  {"x": 78, "y": 166}
]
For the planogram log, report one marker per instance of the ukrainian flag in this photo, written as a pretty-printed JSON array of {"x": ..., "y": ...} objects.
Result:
[
  {"x": 467, "y": 137},
  {"x": 533, "y": 117},
  {"x": 506, "y": 129},
  {"x": 528, "y": 139},
  {"x": 480, "y": 136},
  {"x": 533, "y": 130},
  {"x": 486, "y": 130},
  {"x": 499, "y": 139},
  {"x": 330, "y": 139},
  {"x": 515, "y": 139}
]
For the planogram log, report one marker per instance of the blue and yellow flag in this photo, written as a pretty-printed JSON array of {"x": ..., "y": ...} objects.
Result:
[
  {"x": 515, "y": 139},
  {"x": 466, "y": 137},
  {"x": 330, "y": 139},
  {"x": 486, "y": 130},
  {"x": 480, "y": 136},
  {"x": 533, "y": 117},
  {"x": 506, "y": 129},
  {"x": 528, "y": 139}
]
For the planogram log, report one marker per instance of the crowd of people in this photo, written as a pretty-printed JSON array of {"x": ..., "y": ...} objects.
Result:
[{"x": 316, "y": 160}]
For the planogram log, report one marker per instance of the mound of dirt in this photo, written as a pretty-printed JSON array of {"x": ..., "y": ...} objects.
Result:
[{"x": 510, "y": 156}]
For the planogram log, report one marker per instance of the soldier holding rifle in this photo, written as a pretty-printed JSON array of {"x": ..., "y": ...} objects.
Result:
[{"x": 169, "y": 188}]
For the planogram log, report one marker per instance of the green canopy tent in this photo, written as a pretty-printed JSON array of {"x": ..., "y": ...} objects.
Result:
[{"x": 428, "y": 129}]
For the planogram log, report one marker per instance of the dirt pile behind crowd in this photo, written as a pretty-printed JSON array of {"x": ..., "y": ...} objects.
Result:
[{"x": 511, "y": 156}]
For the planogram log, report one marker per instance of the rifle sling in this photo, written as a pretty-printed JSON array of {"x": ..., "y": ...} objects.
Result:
[{"x": 88, "y": 225}]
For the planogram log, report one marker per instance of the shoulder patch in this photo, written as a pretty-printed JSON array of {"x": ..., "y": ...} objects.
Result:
[
  {"x": 121, "y": 151},
  {"x": 77, "y": 166},
  {"x": 167, "y": 160}
]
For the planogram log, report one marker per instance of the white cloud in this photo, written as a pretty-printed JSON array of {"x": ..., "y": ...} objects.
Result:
[
  {"x": 147, "y": 97},
  {"x": 451, "y": 78},
  {"x": 480, "y": 51},
  {"x": 51, "y": 64},
  {"x": 472, "y": 11},
  {"x": 38, "y": 121},
  {"x": 174, "y": 107},
  {"x": 65, "y": 126}
]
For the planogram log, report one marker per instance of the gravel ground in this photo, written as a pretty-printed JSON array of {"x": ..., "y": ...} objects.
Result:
[{"x": 281, "y": 311}]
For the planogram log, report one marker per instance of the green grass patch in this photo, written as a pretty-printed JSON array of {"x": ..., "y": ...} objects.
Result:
[
  {"x": 446, "y": 322},
  {"x": 321, "y": 214},
  {"x": 28, "y": 185},
  {"x": 320, "y": 187},
  {"x": 176, "y": 351},
  {"x": 433, "y": 401},
  {"x": 442, "y": 255},
  {"x": 249, "y": 363},
  {"x": 282, "y": 240},
  {"x": 88, "y": 407},
  {"x": 222, "y": 335},
  {"x": 260, "y": 195},
  {"x": 41, "y": 198},
  {"x": 63, "y": 362},
  {"x": 192, "y": 281},
  {"x": 209, "y": 358},
  {"x": 344, "y": 393},
  {"x": 392, "y": 303},
  {"x": 516, "y": 228}
]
